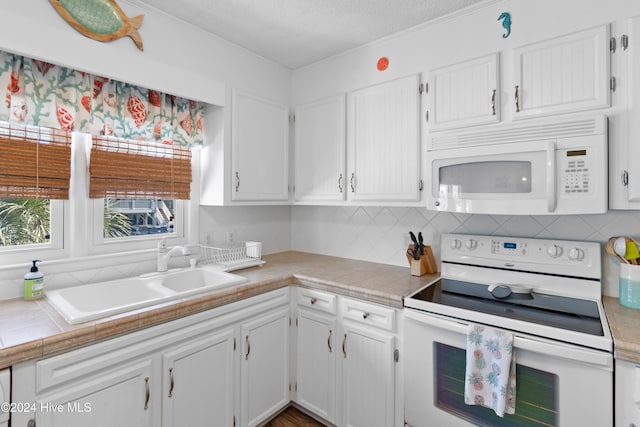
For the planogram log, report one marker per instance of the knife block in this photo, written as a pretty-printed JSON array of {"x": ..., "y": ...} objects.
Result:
[{"x": 425, "y": 265}]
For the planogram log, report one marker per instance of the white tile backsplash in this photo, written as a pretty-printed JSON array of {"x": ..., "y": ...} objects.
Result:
[{"x": 377, "y": 234}]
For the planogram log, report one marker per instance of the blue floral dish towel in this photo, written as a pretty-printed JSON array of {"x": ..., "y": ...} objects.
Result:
[{"x": 491, "y": 370}]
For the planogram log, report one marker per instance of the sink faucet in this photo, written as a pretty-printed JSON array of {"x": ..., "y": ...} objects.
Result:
[{"x": 165, "y": 254}]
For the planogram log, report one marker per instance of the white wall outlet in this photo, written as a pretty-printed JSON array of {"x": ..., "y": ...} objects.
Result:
[{"x": 231, "y": 236}]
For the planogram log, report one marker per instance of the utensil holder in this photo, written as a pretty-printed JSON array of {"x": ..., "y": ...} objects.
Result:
[
  {"x": 629, "y": 283},
  {"x": 425, "y": 265}
]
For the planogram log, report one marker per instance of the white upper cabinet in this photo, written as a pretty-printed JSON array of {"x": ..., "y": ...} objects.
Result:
[
  {"x": 563, "y": 74},
  {"x": 464, "y": 94},
  {"x": 260, "y": 146},
  {"x": 383, "y": 145},
  {"x": 320, "y": 149}
]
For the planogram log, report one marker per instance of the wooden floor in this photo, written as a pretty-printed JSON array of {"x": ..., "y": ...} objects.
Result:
[{"x": 291, "y": 417}]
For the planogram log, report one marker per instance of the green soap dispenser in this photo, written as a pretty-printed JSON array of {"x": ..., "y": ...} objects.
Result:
[{"x": 34, "y": 283}]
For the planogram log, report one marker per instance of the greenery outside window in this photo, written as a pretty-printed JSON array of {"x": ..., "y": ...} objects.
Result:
[
  {"x": 25, "y": 221},
  {"x": 128, "y": 217}
]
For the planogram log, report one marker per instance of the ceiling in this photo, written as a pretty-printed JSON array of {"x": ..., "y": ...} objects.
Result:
[{"x": 295, "y": 33}]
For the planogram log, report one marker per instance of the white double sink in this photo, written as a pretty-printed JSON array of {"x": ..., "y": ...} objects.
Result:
[{"x": 93, "y": 301}]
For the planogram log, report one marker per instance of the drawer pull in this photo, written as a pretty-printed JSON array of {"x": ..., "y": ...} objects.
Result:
[
  {"x": 171, "y": 383},
  {"x": 365, "y": 315},
  {"x": 314, "y": 300},
  {"x": 147, "y": 393}
]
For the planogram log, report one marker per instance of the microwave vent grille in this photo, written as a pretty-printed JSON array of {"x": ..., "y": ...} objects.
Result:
[{"x": 521, "y": 133}]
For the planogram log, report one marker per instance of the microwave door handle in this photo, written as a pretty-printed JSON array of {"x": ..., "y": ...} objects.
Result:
[{"x": 551, "y": 176}]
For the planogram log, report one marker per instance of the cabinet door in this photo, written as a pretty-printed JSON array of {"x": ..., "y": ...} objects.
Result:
[
  {"x": 316, "y": 361},
  {"x": 368, "y": 377},
  {"x": 384, "y": 143},
  {"x": 264, "y": 369},
  {"x": 563, "y": 74},
  {"x": 260, "y": 145},
  {"x": 627, "y": 402},
  {"x": 465, "y": 94},
  {"x": 123, "y": 397},
  {"x": 198, "y": 382},
  {"x": 320, "y": 146}
]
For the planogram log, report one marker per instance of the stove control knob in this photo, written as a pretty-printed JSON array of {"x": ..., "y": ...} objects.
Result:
[
  {"x": 576, "y": 254},
  {"x": 554, "y": 251},
  {"x": 455, "y": 244},
  {"x": 471, "y": 244}
]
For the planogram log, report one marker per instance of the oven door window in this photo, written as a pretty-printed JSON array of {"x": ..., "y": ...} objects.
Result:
[{"x": 536, "y": 393}]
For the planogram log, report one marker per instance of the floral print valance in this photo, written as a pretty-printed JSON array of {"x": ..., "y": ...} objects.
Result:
[{"x": 43, "y": 94}]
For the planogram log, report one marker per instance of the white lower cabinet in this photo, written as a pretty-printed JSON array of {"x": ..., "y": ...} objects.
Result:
[
  {"x": 118, "y": 397},
  {"x": 5, "y": 394},
  {"x": 316, "y": 363},
  {"x": 198, "y": 381},
  {"x": 346, "y": 365},
  {"x": 264, "y": 370},
  {"x": 184, "y": 372},
  {"x": 627, "y": 394},
  {"x": 226, "y": 367}
]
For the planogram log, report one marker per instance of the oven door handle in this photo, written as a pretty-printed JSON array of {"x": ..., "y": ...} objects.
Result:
[
  {"x": 551, "y": 177},
  {"x": 556, "y": 349}
]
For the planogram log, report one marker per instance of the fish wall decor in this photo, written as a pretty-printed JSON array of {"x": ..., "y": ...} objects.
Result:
[{"x": 101, "y": 20}]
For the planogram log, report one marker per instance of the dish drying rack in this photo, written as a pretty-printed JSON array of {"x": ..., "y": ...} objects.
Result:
[{"x": 233, "y": 256}]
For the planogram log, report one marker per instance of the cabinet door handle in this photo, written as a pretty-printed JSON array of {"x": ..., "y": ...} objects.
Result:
[
  {"x": 237, "y": 181},
  {"x": 352, "y": 182},
  {"x": 147, "y": 393},
  {"x": 313, "y": 300},
  {"x": 171, "y": 383},
  {"x": 366, "y": 315},
  {"x": 344, "y": 344},
  {"x": 329, "y": 342},
  {"x": 340, "y": 183},
  {"x": 517, "y": 97},
  {"x": 493, "y": 103},
  {"x": 246, "y": 356}
]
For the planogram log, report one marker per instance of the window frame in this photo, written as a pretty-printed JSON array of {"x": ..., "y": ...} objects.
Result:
[{"x": 77, "y": 224}]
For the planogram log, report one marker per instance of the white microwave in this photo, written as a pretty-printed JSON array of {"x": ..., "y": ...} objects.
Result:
[{"x": 542, "y": 168}]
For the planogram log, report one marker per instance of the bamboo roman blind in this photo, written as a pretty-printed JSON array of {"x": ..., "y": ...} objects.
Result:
[
  {"x": 35, "y": 162},
  {"x": 138, "y": 169}
]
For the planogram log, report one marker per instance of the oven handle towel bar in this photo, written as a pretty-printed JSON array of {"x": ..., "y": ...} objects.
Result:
[{"x": 557, "y": 349}]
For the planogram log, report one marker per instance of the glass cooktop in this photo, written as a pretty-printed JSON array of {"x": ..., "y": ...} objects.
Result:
[{"x": 549, "y": 310}]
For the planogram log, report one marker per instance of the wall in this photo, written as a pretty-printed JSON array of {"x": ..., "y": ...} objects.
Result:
[
  {"x": 379, "y": 234},
  {"x": 177, "y": 59}
]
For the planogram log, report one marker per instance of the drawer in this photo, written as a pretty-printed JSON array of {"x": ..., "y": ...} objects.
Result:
[
  {"x": 317, "y": 300},
  {"x": 369, "y": 314}
]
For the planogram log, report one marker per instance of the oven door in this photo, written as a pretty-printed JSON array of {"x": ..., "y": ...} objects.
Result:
[{"x": 557, "y": 384}]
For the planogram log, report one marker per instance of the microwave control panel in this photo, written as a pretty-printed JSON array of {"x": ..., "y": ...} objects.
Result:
[{"x": 575, "y": 170}]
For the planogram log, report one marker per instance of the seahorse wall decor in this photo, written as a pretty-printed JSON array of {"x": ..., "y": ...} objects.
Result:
[
  {"x": 506, "y": 23},
  {"x": 101, "y": 20}
]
